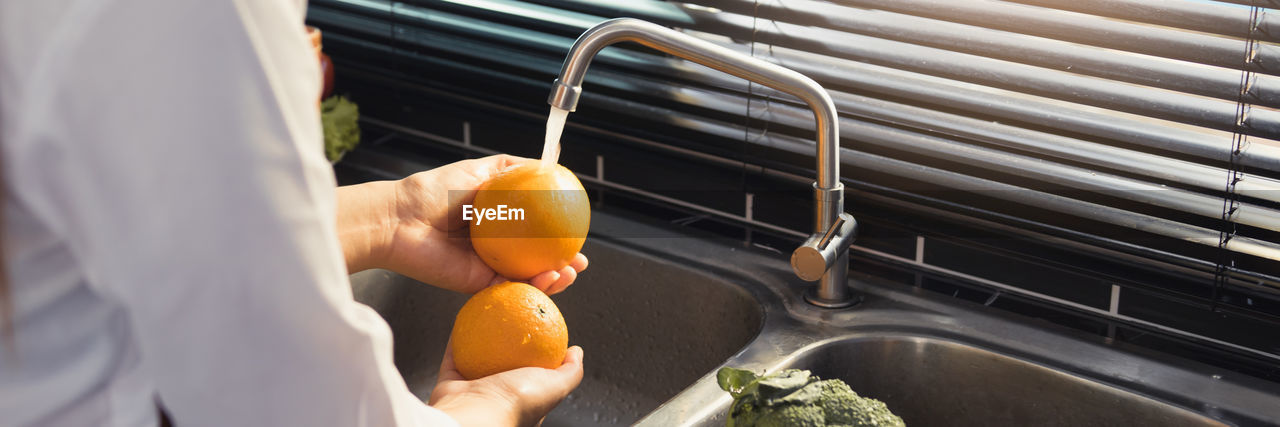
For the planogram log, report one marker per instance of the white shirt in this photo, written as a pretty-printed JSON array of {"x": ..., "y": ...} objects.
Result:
[{"x": 169, "y": 224}]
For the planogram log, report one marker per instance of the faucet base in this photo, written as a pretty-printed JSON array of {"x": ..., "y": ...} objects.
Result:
[{"x": 811, "y": 296}]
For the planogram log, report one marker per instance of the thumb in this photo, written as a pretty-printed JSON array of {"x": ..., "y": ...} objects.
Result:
[
  {"x": 486, "y": 167},
  {"x": 572, "y": 362},
  {"x": 539, "y": 390},
  {"x": 559, "y": 382},
  {"x": 566, "y": 377}
]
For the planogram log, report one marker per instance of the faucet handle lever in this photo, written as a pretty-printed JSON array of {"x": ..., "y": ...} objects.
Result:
[
  {"x": 813, "y": 258},
  {"x": 831, "y": 232}
]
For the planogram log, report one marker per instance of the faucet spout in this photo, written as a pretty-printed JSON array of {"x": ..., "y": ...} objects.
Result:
[{"x": 828, "y": 191}]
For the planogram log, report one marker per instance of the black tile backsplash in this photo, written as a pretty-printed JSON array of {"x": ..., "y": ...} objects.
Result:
[
  {"x": 873, "y": 268},
  {"x": 887, "y": 238},
  {"x": 1036, "y": 310},
  {"x": 1249, "y": 332},
  {"x": 1033, "y": 277},
  {"x": 946, "y": 287}
]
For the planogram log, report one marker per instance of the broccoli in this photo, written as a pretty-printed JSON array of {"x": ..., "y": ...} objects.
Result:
[
  {"x": 340, "y": 119},
  {"x": 840, "y": 405},
  {"x": 787, "y": 416},
  {"x": 792, "y": 397}
]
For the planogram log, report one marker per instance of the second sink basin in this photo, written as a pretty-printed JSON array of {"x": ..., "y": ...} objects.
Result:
[
  {"x": 648, "y": 327},
  {"x": 935, "y": 382}
]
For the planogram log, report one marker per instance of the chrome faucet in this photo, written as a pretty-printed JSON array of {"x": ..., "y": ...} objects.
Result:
[{"x": 824, "y": 257}]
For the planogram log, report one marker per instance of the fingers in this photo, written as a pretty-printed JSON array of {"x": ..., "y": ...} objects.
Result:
[
  {"x": 565, "y": 378},
  {"x": 545, "y": 388},
  {"x": 553, "y": 282},
  {"x": 556, "y": 281},
  {"x": 478, "y": 274},
  {"x": 535, "y": 391},
  {"x": 446, "y": 263},
  {"x": 567, "y": 276},
  {"x": 570, "y": 372},
  {"x": 485, "y": 167},
  {"x": 448, "y": 372},
  {"x": 459, "y": 182},
  {"x": 550, "y": 282},
  {"x": 579, "y": 262},
  {"x": 545, "y": 281},
  {"x": 572, "y": 357}
]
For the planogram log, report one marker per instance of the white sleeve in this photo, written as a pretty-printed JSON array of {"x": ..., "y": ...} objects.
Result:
[{"x": 178, "y": 150}]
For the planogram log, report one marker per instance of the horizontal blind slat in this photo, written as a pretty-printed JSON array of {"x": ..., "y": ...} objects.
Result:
[
  {"x": 1219, "y": 114},
  {"x": 1206, "y": 178},
  {"x": 1272, "y": 4},
  {"x": 1230, "y": 20},
  {"x": 1085, "y": 29},
  {"x": 1047, "y": 174},
  {"x": 1137, "y": 68},
  {"x": 1159, "y": 168}
]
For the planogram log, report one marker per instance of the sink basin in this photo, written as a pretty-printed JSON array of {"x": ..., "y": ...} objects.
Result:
[
  {"x": 934, "y": 382},
  {"x": 649, "y": 328},
  {"x": 662, "y": 308}
]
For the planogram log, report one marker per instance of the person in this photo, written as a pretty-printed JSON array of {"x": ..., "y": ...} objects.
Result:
[{"x": 175, "y": 245}]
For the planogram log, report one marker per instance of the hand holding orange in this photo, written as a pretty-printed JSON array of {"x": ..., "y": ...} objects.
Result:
[
  {"x": 513, "y": 325},
  {"x": 552, "y": 227},
  {"x": 508, "y": 326}
]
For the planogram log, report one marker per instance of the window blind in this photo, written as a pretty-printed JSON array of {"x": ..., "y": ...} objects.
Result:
[{"x": 1129, "y": 129}]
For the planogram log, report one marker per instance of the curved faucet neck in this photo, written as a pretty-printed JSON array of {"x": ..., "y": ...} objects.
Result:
[
  {"x": 823, "y": 259},
  {"x": 568, "y": 87}
]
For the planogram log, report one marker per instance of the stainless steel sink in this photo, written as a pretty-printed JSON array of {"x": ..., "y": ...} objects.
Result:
[
  {"x": 939, "y": 362},
  {"x": 649, "y": 328},
  {"x": 658, "y": 313},
  {"x": 660, "y": 310}
]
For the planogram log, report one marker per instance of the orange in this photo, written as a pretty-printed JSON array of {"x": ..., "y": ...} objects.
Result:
[
  {"x": 556, "y": 215},
  {"x": 507, "y": 326}
]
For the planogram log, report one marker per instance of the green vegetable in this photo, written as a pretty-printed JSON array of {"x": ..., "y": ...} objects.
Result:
[
  {"x": 340, "y": 119},
  {"x": 792, "y": 397}
]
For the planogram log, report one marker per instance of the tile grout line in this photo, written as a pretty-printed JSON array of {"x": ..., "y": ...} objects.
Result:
[
  {"x": 600, "y": 177},
  {"x": 1115, "y": 309},
  {"x": 466, "y": 133},
  {"x": 600, "y": 167},
  {"x": 749, "y": 210},
  {"x": 919, "y": 259}
]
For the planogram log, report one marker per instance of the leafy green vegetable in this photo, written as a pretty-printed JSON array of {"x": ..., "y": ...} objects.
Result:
[
  {"x": 793, "y": 397},
  {"x": 340, "y": 118},
  {"x": 734, "y": 380},
  {"x": 804, "y": 395},
  {"x": 783, "y": 382}
]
